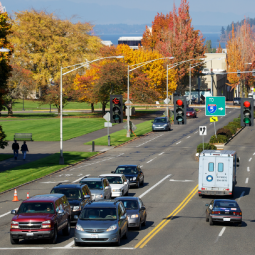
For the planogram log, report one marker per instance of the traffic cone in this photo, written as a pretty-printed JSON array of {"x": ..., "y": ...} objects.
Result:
[
  {"x": 27, "y": 195},
  {"x": 15, "y": 198}
]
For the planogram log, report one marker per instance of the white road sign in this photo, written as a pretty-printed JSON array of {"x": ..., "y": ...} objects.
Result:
[
  {"x": 107, "y": 124},
  {"x": 202, "y": 130},
  {"x": 107, "y": 116},
  {"x": 166, "y": 101}
]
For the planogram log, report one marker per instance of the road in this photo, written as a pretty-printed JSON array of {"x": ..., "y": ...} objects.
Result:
[{"x": 176, "y": 214}]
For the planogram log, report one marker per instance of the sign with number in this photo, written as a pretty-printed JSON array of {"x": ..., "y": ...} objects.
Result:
[
  {"x": 213, "y": 119},
  {"x": 202, "y": 130},
  {"x": 215, "y": 106}
]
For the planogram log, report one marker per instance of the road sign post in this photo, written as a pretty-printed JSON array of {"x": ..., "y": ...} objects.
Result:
[
  {"x": 107, "y": 124},
  {"x": 215, "y": 106},
  {"x": 203, "y": 132}
]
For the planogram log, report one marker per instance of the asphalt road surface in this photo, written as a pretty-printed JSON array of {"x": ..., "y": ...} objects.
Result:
[{"x": 176, "y": 214}]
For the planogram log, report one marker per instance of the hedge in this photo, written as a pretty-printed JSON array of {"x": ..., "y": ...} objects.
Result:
[{"x": 207, "y": 146}]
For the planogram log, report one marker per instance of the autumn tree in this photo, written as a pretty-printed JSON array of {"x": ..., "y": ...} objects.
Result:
[
  {"x": 219, "y": 49},
  {"x": 3, "y": 142}
]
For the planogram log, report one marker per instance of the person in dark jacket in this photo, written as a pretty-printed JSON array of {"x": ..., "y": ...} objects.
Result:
[
  {"x": 24, "y": 150},
  {"x": 15, "y": 148}
]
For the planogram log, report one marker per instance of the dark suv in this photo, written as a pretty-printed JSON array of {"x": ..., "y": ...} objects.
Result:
[
  {"x": 41, "y": 217},
  {"x": 133, "y": 173},
  {"x": 77, "y": 194}
]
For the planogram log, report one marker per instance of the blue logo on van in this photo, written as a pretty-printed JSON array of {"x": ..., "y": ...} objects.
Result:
[{"x": 209, "y": 178}]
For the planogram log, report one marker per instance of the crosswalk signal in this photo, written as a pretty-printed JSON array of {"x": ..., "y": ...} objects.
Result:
[
  {"x": 180, "y": 107},
  {"x": 247, "y": 115},
  {"x": 116, "y": 108}
]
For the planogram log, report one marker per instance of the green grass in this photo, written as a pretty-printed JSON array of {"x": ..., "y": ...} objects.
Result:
[
  {"x": 119, "y": 137},
  {"x": 49, "y": 129},
  {"x": 5, "y": 156},
  {"x": 39, "y": 168}
]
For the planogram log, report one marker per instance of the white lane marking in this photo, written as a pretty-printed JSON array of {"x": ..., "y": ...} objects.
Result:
[
  {"x": 81, "y": 178},
  {"x": 247, "y": 179},
  {"x": 250, "y": 159},
  {"x": 188, "y": 137},
  {"x": 69, "y": 245},
  {"x": 196, "y": 132},
  {"x": 229, "y": 112},
  {"x": 161, "y": 153},
  {"x": 241, "y": 196},
  {"x": 73, "y": 248},
  {"x": 254, "y": 153},
  {"x": 172, "y": 180},
  {"x": 151, "y": 160},
  {"x": 55, "y": 182},
  {"x": 248, "y": 169},
  {"x": 211, "y": 123},
  {"x": 141, "y": 166},
  {"x": 222, "y": 231},
  {"x": 7, "y": 213},
  {"x": 154, "y": 186},
  {"x": 149, "y": 141},
  {"x": 179, "y": 142}
]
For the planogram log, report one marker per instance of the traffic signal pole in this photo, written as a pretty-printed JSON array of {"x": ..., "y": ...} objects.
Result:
[{"x": 128, "y": 107}]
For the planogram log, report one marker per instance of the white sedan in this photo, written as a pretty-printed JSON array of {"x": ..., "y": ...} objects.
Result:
[{"x": 119, "y": 184}]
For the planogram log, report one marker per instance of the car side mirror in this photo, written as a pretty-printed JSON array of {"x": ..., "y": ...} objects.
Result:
[
  {"x": 125, "y": 183},
  {"x": 123, "y": 217},
  {"x": 61, "y": 212},
  {"x": 142, "y": 208},
  {"x": 87, "y": 196},
  {"x": 13, "y": 212},
  {"x": 107, "y": 187},
  {"x": 206, "y": 204},
  {"x": 112, "y": 172}
]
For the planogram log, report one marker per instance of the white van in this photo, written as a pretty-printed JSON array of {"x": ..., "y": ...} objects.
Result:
[{"x": 217, "y": 172}]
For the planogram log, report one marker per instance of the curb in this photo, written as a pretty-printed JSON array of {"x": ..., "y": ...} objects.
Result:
[{"x": 231, "y": 138}]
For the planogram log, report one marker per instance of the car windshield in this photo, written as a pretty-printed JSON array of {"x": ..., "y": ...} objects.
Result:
[
  {"x": 130, "y": 204},
  {"x": 114, "y": 179},
  {"x": 98, "y": 214},
  {"x": 126, "y": 170},
  {"x": 93, "y": 184},
  {"x": 70, "y": 193},
  {"x": 160, "y": 120},
  {"x": 190, "y": 109},
  {"x": 36, "y": 208},
  {"x": 226, "y": 204}
]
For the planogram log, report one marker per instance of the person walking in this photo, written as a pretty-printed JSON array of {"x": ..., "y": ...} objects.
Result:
[
  {"x": 15, "y": 148},
  {"x": 24, "y": 150}
]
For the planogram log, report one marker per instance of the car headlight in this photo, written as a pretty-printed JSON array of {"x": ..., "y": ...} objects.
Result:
[
  {"x": 164, "y": 125},
  {"x": 134, "y": 216},
  {"x": 99, "y": 196},
  {"x": 111, "y": 228},
  {"x": 46, "y": 224},
  {"x": 14, "y": 224},
  {"x": 116, "y": 190},
  {"x": 76, "y": 208},
  {"x": 79, "y": 227},
  {"x": 134, "y": 178}
]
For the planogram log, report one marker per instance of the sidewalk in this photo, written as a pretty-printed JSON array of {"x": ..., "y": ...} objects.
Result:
[{"x": 38, "y": 150}]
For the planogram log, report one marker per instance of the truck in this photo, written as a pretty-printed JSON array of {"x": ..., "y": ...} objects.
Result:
[{"x": 217, "y": 172}]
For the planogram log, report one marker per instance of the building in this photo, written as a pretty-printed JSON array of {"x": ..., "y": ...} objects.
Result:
[
  {"x": 107, "y": 43},
  {"x": 132, "y": 41}
]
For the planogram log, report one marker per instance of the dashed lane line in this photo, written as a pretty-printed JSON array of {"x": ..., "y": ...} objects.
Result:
[
  {"x": 7, "y": 213},
  {"x": 172, "y": 180},
  {"x": 81, "y": 178},
  {"x": 222, "y": 231},
  {"x": 149, "y": 140},
  {"x": 188, "y": 137},
  {"x": 247, "y": 179},
  {"x": 179, "y": 142},
  {"x": 250, "y": 159},
  {"x": 161, "y": 153},
  {"x": 248, "y": 169},
  {"x": 151, "y": 160},
  {"x": 241, "y": 196}
]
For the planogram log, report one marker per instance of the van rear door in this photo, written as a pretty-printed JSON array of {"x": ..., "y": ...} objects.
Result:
[
  {"x": 222, "y": 172},
  {"x": 208, "y": 175}
]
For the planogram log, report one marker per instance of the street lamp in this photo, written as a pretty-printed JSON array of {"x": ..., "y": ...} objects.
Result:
[
  {"x": 4, "y": 50},
  {"x": 61, "y": 158},
  {"x": 128, "y": 101}
]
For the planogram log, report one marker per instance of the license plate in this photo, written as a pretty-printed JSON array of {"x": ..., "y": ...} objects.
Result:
[
  {"x": 226, "y": 219},
  {"x": 30, "y": 234},
  {"x": 94, "y": 236}
]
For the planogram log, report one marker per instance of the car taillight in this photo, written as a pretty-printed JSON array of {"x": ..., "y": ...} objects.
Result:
[
  {"x": 227, "y": 189},
  {"x": 203, "y": 189},
  {"x": 237, "y": 213},
  {"x": 215, "y": 212}
]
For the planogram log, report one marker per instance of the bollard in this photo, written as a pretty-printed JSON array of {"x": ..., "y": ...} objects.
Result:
[
  {"x": 109, "y": 140},
  {"x": 93, "y": 146}
]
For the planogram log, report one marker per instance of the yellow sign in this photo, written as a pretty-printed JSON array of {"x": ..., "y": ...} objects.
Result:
[{"x": 213, "y": 119}]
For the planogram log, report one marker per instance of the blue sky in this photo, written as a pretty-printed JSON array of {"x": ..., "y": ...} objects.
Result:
[{"x": 203, "y": 12}]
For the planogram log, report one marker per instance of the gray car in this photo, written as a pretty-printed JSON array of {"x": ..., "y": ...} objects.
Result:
[
  {"x": 161, "y": 123},
  {"x": 102, "y": 221},
  {"x": 99, "y": 187},
  {"x": 136, "y": 211}
]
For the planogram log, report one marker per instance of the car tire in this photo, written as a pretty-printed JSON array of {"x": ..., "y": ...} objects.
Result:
[
  {"x": 140, "y": 225},
  {"x": 126, "y": 193},
  {"x": 142, "y": 182},
  {"x": 138, "y": 184},
  {"x": 53, "y": 240},
  {"x": 144, "y": 222},
  {"x": 14, "y": 241},
  {"x": 66, "y": 231},
  {"x": 126, "y": 234},
  {"x": 211, "y": 221},
  {"x": 206, "y": 218},
  {"x": 118, "y": 242}
]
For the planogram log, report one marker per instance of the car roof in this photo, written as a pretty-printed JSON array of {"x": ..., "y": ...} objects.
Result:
[
  {"x": 91, "y": 179},
  {"x": 224, "y": 200},
  {"x": 127, "y": 165},
  {"x": 126, "y": 198},
  {"x": 70, "y": 185},
  {"x": 102, "y": 204},
  {"x": 118, "y": 175},
  {"x": 161, "y": 118},
  {"x": 44, "y": 198}
]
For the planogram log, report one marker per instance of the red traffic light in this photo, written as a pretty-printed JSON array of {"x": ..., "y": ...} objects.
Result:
[
  {"x": 247, "y": 104},
  {"x": 116, "y": 101},
  {"x": 179, "y": 102}
]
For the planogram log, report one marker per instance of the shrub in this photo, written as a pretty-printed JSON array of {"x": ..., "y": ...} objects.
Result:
[
  {"x": 207, "y": 146},
  {"x": 219, "y": 139},
  {"x": 224, "y": 131},
  {"x": 231, "y": 128}
]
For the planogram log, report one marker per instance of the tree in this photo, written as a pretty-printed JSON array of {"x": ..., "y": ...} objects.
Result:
[
  {"x": 219, "y": 50},
  {"x": 208, "y": 45},
  {"x": 3, "y": 142},
  {"x": 5, "y": 67}
]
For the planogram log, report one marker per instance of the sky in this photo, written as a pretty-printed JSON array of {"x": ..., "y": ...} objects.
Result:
[{"x": 203, "y": 12}]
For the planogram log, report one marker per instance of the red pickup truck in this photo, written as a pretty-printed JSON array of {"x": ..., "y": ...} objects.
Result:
[{"x": 41, "y": 217}]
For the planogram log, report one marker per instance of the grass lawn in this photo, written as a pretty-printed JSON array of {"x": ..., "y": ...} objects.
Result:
[
  {"x": 48, "y": 129},
  {"x": 5, "y": 156},
  {"x": 39, "y": 168},
  {"x": 119, "y": 137}
]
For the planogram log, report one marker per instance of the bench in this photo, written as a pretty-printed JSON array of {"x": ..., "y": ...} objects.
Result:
[{"x": 23, "y": 136}]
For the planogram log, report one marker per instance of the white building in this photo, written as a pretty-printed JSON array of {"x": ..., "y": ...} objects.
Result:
[{"x": 132, "y": 41}]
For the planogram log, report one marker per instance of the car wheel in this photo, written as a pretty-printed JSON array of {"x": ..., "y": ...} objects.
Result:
[
  {"x": 138, "y": 184},
  {"x": 118, "y": 242},
  {"x": 126, "y": 193},
  {"x": 211, "y": 221},
  {"x": 14, "y": 241},
  {"x": 53, "y": 240},
  {"x": 144, "y": 222},
  {"x": 206, "y": 218},
  {"x": 66, "y": 230},
  {"x": 142, "y": 182},
  {"x": 126, "y": 234},
  {"x": 140, "y": 225}
]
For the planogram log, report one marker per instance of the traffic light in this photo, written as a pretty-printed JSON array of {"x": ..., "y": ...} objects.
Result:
[
  {"x": 180, "y": 107},
  {"x": 247, "y": 106},
  {"x": 116, "y": 108},
  {"x": 238, "y": 73}
]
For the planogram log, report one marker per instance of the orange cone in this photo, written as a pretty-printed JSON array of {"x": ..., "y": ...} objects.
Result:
[
  {"x": 27, "y": 195},
  {"x": 15, "y": 198}
]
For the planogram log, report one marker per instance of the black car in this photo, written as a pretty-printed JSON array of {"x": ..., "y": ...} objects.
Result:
[
  {"x": 223, "y": 210},
  {"x": 133, "y": 173},
  {"x": 237, "y": 100},
  {"x": 77, "y": 195}
]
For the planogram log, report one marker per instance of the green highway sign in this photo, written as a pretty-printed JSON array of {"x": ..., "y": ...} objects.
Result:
[{"x": 215, "y": 106}]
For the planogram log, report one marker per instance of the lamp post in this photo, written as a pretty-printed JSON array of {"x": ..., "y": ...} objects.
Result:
[
  {"x": 4, "y": 50},
  {"x": 61, "y": 158},
  {"x": 128, "y": 100}
]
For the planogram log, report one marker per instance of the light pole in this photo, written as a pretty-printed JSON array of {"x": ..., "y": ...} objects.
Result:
[
  {"x": 61, "y": 158},
  {"x": 128, "y": 100},
  {"x": 4, "y": 50}
]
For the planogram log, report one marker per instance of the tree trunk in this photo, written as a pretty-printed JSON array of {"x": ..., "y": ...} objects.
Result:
[
  {"x": 9, "y": 108},
  {"x": 92, "y": 107},
  {"x": 103, "y": 108},
  {"x": 58, "y": 110}
]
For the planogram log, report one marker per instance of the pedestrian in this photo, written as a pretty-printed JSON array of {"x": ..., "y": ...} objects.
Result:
[
  {"x": 15, "y": 148},
  {"x": 24, "y": 150}
]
